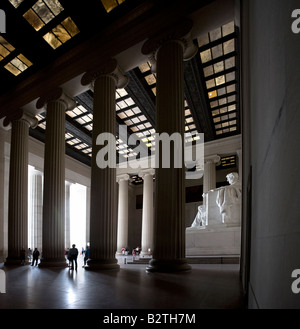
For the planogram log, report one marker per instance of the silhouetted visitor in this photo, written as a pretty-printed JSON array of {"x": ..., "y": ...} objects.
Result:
[
  {"x": 22, "y": 256},
  {"x": 73, "y": 254},
  {"x": 86, "y": 255},
  {"x": 35, "y": 257},
  {"x": 29, "y": 252}
]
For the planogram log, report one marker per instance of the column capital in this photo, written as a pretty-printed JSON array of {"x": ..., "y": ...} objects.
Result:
[
  {"x": 21, "y": 115},
  {"x": 180, "y": 33},
  {"x": 122, "y": 177},
  {"x": 110, "y": 68},
  {"x": 146, "y": 172},
  {"x": 212, "y": 159},
  {"x": 56, "y": 95}
]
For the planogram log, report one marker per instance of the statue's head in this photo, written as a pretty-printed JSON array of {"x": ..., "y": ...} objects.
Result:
[{"x": 232, "y": 178}]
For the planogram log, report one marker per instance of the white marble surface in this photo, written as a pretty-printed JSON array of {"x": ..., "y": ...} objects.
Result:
[{"x": 220, "y": 241}]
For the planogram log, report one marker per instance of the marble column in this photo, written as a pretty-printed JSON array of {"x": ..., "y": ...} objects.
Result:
[
  {"x": 88, "y": 205},
  {"x": 122, "y": 232},
  {"x": 209, "y": 179},
  {"x": 170, "y": 48},
  {"x": 18, "y": 186},
  {"x": 103, "y": 215},
  {"x": 147, "y": 215},
  {"x": 56, "y": 104},
  {"x": 67, "y": 216},
  {"x": 36, "y": 220},
  {"x": 2, "y": 194},
  {"x": 239, "y": 154}
]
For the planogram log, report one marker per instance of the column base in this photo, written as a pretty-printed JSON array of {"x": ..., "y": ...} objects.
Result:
[
  {"x": 102, "y": 264},
  {"x": 11, "y": 261},
  {"x": 145, "y": 254},
  {"x": 50, "y": 263},
  {"x": 168, "y": 265}
]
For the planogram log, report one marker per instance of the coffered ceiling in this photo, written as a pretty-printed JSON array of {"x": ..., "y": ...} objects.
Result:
[{"x": 45, "y": 36}]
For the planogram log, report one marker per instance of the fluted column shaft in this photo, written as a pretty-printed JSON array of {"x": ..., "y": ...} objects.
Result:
[
  {"x": 122, "y": 233},
  {"x": 209, "y": 178},
  {"x": 18, "y": 192},
  {"x": 169, "y": 229},
  {"x": 2, "y": 193},
  {"x": 56, "y": 104},
  {"x": 54, "y": 186},
  {"x": 147, "y": 216},
  {"x": 169, "y": 49},
  {"x": 103, "y": 181},
  {"x": 67, "y": 216},
  {"x": 103, "y": 209}
]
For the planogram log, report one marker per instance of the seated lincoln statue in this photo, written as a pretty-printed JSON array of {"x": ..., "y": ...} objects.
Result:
[{"x": 229, "y": 200}]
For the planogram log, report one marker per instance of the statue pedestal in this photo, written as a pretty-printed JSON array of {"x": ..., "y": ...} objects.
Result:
[{"x": 212, "y": 241}]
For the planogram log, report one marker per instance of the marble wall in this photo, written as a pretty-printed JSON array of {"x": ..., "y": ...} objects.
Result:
[{"x": 271, "y": 115}]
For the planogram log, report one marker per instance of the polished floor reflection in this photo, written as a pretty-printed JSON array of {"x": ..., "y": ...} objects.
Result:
[{"x": 214, "y": 286}]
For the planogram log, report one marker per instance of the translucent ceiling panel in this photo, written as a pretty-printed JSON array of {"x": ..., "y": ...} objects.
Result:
[
  {"x": 61, "y": 33},
  {"x": 219, "y": 70},
  {"x": 42, "y": 12},
  {"x": 16, "y": 3},
  {"x": 18, "y": 65},
  {"x": 5, "y": 48}
]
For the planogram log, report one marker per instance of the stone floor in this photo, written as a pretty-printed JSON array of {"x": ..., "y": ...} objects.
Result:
[{"x": 214, "y": 286}]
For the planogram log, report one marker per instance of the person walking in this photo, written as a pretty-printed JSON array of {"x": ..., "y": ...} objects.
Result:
[
  {"x": 86, "y": 255},
  {"x": 22, "y": 256},
  {"x": 35, "y": 257},
  {"x": 73, "y": 254},
  {"x": 29, "y": 253}
]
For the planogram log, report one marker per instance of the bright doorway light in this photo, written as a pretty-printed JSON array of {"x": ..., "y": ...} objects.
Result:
[{"x": 78, "y": 215}]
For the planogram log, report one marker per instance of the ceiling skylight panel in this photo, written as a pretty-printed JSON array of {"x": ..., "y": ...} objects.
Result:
[
  {"x": 228, "y": 28},
  {"x": 121, "y": 93},
  {"x": 18, "y": 65},
  {"x": 206, "y": 56},
  {"x": 145, "y": 67},
  {"x": 16, "y": 3},
  {"x": 220, "y": 80},
  {"x": 42, "y": 12},
  {"x": 129, "y": 101},
  {"x": 151, "y": 79},
  {"x": 70, "y": 26},
  {"x": 52, "y": 40},
  {"x": 109, "y": 5},
  {"x": 203, "y": 40},
  {"x": 55, "y": 6},
  {"x": 129, "y": 113},
  {"x": 61, "y": 33},
  {"x": 122, "y": 115},
  {"x": 217, "y": 51},
  {"x": 229, "y": 46},
  {"x": 5, "y": 48},
  {"x": 215, "y": 34},
  {"x": 208, "y": 71},
  {"x": 219, "y": 67},
  {"x": 122, "y": 104}
]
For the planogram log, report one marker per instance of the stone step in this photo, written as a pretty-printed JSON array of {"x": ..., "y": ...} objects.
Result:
[{"x": 197, "y": 260}]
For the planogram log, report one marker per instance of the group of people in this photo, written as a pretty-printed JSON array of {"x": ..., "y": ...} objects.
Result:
[
  {"x": 72, "y": 254},
  {"x": 33, "y": 256}
]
